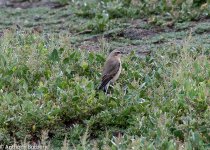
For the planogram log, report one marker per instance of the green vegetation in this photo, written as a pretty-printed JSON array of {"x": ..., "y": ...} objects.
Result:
[
  {"x": 162, "y": 98},
  {"x": 49, "y": 79}
]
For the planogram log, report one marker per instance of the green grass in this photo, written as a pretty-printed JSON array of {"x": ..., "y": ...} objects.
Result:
[{"x": 158, "y": 101}]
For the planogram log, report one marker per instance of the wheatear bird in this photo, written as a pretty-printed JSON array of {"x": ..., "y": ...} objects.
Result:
[{"x": 111, "y": 71}]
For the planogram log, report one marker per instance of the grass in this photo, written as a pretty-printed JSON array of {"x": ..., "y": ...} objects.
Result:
[
  {"x": 48, "y": 82},
  {"x": 162, "y": 99}
]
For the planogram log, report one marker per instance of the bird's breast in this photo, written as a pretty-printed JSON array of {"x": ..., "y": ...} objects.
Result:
[{"x": 117, "y": 74}]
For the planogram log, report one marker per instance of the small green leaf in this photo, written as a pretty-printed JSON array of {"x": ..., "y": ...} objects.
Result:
[
  {"x": 84, "y": 65},
  {"x": 61, "y": 50},
  {"x": 54, "y": 56},
  {"x": 91, "y": 57},
  {"x": 66, "y": 60},
  {"x": 100, "y": 58}
]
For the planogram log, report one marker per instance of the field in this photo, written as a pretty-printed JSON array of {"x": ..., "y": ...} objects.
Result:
[{"x": 51, "y": 58}]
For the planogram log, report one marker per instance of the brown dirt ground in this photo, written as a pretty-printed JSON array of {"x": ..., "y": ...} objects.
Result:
[{"x": 29, "y": 4}]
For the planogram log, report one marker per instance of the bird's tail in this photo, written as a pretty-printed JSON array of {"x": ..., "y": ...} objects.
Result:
[{"x": 104, "y": 86}]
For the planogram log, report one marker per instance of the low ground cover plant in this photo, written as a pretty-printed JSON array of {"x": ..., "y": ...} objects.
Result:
[{"x": 160, "y": 101}]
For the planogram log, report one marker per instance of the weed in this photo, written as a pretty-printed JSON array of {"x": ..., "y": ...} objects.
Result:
[{"x": 159, "y": 98}]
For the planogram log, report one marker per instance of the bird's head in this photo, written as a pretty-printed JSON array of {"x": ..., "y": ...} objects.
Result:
[{"x": 116, "y": 53}]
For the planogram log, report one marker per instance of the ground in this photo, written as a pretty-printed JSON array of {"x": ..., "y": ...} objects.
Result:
[{"x": 138, "y": 34}]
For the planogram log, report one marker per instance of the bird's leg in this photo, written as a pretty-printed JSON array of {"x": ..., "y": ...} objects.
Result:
[
  {"x": 111, "y": 84},
  {"x": 107, "y": 87},
  {"x": 125, "y": 90}
]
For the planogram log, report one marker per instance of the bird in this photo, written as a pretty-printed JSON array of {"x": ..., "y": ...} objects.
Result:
[{"x": 111, "y": 70}]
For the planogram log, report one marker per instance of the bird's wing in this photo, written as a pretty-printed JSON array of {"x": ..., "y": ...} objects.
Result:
[{"x": 111, "y": 68}]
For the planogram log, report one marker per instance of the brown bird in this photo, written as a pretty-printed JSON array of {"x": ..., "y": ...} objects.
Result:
[{"x": 111, "y": 71}]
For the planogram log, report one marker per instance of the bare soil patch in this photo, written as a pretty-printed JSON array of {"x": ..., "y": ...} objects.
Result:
[
  {"x": 89, "y": 46},
  {"x": 29, "y": 4}
]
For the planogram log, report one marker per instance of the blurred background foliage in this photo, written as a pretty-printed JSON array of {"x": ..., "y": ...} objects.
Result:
[{"x": 158, "y": 12}]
